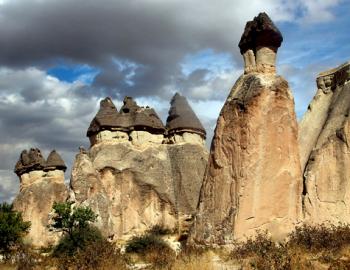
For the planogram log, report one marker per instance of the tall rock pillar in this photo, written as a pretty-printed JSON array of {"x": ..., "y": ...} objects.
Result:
[
  {"x": 253, "y": 179},
  {"x": 41, "y": 184}
]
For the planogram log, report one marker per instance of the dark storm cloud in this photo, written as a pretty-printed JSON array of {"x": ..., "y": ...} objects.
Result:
[{"x": 154, "y": 35}]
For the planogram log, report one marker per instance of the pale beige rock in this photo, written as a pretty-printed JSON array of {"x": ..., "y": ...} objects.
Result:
[
  {"x": 324, "y": 145},
  {"x": 266, "y": 56},
  {"x": 108, "y": 135},
  {"x": 187, "y": 137},
  {"x": 249, "y": 61},
  {"x": 253, "y": 180},
  {"x": 143, "y": 138},
  {"x": 38, "y": 191},
  {"x": 133, "y": 188}
]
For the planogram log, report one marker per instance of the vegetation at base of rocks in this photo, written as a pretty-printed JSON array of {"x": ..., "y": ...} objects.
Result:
[
  {"x": 323, "y": 246},
  {"x": 75, "y": 223},
  {"x": 12, "y": 228},
  {"x": 99, "y": 255},
  {"x": 151, "y": 248},
  {"x": 320, "y": 237}
]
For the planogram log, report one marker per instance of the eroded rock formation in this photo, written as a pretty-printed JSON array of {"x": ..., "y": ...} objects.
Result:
[
  {"x": 141, "y": 180},
  {"x": 41, "y": 184},
  {"x": 253, "y": 180},
  {"x": 324, "y": 146}
]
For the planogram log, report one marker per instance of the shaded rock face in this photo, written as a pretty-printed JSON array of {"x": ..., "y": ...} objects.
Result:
[
  {"x": 324, "y": 147},
  {"x": 253, "y": 179},
  {"x": 134, "y": 188},
  {"x": 41, "y": 184}
]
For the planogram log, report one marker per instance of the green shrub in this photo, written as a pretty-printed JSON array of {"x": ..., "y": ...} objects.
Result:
[
  {"x": 75, "y": 223},
  {"x": 78, "y": 239},
  {"x": 12, "y": 228}
]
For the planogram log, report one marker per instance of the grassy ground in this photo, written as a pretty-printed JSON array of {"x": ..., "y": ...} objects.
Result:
[{"x": 308, "y": 247}]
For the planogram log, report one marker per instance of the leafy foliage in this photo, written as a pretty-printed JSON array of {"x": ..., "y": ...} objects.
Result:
[
  {"x": 67, "y": 219},
  {"x": 12, "y": 227},
  {"x": 75, "y": 224}
]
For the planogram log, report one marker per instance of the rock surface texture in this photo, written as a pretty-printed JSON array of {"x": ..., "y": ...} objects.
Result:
[
  {"x": 41, "y": 184},
  {"x": 324, "y": 146},
  {"x": 253, "y": 180},
  {"x": 144, "y": 181}
]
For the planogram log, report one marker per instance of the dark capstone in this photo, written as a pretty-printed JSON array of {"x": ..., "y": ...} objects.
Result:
[
  {"x": 260, "y": 32},
  {"x": 182, "y": 117},
  {"x": 130, "y": 117},
  {"x": 29, "y": 161},
  {"x": 54, "y": 161}
]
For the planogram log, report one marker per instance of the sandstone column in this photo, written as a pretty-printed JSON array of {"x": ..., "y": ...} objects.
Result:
[{"x": 253, "y": 179}]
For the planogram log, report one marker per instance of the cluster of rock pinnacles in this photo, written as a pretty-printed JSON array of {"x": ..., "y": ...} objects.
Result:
[{"x": 263, "y": 172}]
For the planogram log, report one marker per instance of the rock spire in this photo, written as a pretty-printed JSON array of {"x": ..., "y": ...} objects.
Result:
[{"x": 253, "y": 179}]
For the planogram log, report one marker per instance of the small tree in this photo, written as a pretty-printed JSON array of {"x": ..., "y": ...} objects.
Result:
[
  {"x": 75, "y": 223},
  {"x": 12, "y": 227}
]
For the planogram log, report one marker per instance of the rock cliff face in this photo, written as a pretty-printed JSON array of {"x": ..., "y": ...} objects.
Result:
[
  {"x": 136, "y": 183},
  {"x": 324, "y": 147},
  {"x": 41, "y": 184},
  {"x": 253, "y": 179}
]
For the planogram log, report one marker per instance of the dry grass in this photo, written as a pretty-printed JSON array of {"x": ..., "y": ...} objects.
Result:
[{"x": 308, "y": 247}]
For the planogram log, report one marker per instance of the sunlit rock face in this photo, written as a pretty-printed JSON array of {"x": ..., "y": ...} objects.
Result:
[
  {"x": 253, "y": 180},
  {"x": 324, "y": 147},
  {"x": 146, "y": 180},
  {"x": 41, "y": 184}
]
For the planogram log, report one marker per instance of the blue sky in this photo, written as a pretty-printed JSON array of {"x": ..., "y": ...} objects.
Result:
[{"x": 58, "y": 58}]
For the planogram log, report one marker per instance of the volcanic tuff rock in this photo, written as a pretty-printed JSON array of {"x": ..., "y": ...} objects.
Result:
[
  {"x": 41, "y": 184},
  {"x": 324, "y": 147},
  {"x": 253, "y": 179},
  {"x": 138, "y": 181}
]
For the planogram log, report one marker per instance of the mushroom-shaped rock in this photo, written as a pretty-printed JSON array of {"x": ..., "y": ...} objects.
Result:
[
  {"x": 105, "y": 118},
  {"x": 140, "y": 118},
  {"x": 29, "y": 161},
  {"x": 182, "y": 118},
  {"x": 55, "y": 162},
  {"x": 259, "y": 44}
]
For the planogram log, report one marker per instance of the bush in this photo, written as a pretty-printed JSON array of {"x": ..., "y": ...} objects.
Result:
[
  {"x": 153, "y": 249},
  {"x": 266, "y": 253},
  {"x": 78, "y": 240},
  {"x": 75, "y": 224},
  {"x": 144, "y": 243},
  {"x": 98, "y": 255},
  {"x": 320, "y": 237},
  {"x": 12, "y": 228}
]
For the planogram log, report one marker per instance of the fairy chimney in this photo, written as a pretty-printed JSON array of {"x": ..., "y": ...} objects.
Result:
[
  {"x": 259, "y": 44},
  {"x": 182, "y": 123},
  {"x": 38, "y": 178}
]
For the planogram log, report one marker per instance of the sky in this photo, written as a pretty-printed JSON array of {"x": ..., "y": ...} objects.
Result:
[{"x": 58, "y": 58}]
